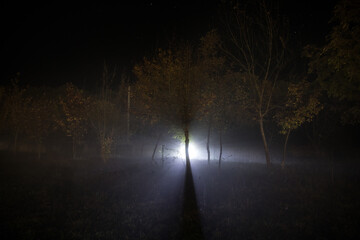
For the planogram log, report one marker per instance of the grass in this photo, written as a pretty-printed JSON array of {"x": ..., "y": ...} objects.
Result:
[
  {"x": 298, "y": 203},
  {"x": 134, "y": 199}
]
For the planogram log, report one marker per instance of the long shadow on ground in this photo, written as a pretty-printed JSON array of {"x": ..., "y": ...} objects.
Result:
[{"x": 191, "y": 225}]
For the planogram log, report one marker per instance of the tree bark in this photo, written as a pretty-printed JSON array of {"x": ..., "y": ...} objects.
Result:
[
  {"x": 266, "y": 148},
  {"x": 39, "y": 145},
  {"x": 128, "y": 115},
  {"x": 16, "y": 141},
  {"x": 162, "y": 154},
  {"x": 220, "y": 154},
  {"x": 156, "y": 145},
  {"x": 285, "y": 146},
  {"x": 208, "y": 143},
  {"x": 186, "y": 131},
  {"x": 74, "y": 147}
]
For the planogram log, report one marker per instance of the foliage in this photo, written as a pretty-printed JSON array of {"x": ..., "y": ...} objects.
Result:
[
  {"x": 2, "y": 94},
  {"x": 177, "y": 133},
  {"x": 40, "y": 119},
  {"x": 2, "y": 115},
  {"x": 16, "y": 104},
  {"x": 105, "y": 114},
  {"x": 74, "y": 107},
  {"x": 212, "y": 63},
  {"x": 301, "y": 106},
  {"x": 219, "y": 91},
  {"x": 336, "y": 63},
  {"x": 169, "y": 88},
  {"x": 102, "y": 122},
  {"x": 168, "y": 85}
]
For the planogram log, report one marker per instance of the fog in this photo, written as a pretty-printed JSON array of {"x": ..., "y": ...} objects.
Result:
[{"x": 132, "y": 196}]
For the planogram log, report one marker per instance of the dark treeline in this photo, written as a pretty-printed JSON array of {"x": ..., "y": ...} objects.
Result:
[{"x": 245, "y": 73}]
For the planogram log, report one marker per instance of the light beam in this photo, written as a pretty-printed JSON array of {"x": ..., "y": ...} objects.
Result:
[{"x": 194, "y": 152}]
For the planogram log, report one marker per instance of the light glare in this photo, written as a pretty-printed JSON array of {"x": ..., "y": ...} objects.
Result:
[{"x": 194, "y": 152}]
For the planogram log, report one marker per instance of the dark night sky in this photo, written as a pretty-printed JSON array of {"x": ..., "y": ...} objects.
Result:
[{"x": 52, "y": 43}]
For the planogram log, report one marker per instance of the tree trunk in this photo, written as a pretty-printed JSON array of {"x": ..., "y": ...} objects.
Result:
[
  {"x": 220, "y": 154},
  {"x": 74, "y": 147},
  {"x": 102, "y": 144},
  {"x": 156, "y": 145},
  {"x": 186, "y": 131},
  {"x": 128, "y": 115},
  {"x": 284, "y": 153},
  {"x": 16, "y": 141},
  {"x": 208, "y": 143},
  {"x": 142, "y": 150},
  {"x": 39, "y": 143},
  {"x": 162, "y": 154},
  {"x": 266, "y": 148}
]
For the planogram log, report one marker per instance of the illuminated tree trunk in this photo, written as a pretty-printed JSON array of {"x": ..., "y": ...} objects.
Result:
[
  {"x": 220, "y": 154},
  {"x": 162, "y": 155},
  {"x": 208, "y": 143},
  {"x": 186, "y": 131},
  {"x": 266, "y": 148},
  {"x": 156, "y": 145},
  {"x": 284, "y": 153}
]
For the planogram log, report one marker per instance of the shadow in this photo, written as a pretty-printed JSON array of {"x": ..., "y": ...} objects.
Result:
[{"x": 191, "y": 224}]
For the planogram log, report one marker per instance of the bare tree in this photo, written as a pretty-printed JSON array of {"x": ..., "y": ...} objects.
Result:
[{"x": 255, "y": 46}]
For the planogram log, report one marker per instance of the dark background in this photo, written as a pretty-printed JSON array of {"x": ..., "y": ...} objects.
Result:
[
  {"x": 56, "y": 42},
  {"x": 131, "y": 197}
]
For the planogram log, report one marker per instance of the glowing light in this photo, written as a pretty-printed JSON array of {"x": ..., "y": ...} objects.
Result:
[{"x": 194, "y": 152}]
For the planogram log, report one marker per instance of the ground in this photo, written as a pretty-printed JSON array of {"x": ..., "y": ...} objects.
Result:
[{"x": 58, "y": 198}]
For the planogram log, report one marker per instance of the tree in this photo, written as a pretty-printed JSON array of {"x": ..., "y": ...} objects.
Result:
[
  {"x": 256, "y": 46},
  {"x": 105, "y": 114},
  {"x": 336, "y": 65},
  {"x": 301, "y": 106},
  {"x": 217, "y": 90},
  {"x": 74, "y": 121},
  {"x": 16, "y": 103},
  {"x": 169, "y": 85},
  {"x": 2, "y": 109},
  {"x": 40, "y": 119},
  {"x": 218, "y": 106},
  {"x": 2, "y": 95}
]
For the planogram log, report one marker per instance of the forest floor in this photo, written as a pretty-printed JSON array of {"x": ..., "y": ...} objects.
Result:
[{"x": 57, "y": 198}]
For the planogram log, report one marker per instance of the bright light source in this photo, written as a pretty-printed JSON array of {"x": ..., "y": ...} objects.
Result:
[{"x": 194, "y": 152}]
